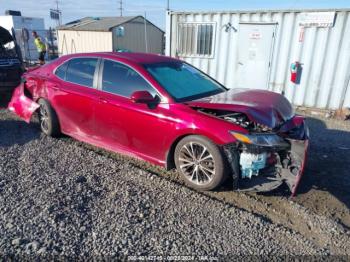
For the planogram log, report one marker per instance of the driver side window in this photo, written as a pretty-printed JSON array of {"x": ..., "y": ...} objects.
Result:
[{"x": 122, "y": 80}]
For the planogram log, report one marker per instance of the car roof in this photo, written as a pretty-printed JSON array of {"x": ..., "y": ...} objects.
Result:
[{"x": 137, "y": 58}]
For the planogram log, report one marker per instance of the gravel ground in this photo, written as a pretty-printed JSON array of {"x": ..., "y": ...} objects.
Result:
[{"x": 60, "y": 197}]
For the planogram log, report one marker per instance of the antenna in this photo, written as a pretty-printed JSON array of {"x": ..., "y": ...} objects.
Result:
[{"x": 121, "y": 7}]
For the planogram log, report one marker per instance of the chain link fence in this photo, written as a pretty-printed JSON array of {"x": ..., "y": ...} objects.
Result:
[{"x": 25, "y": 42}]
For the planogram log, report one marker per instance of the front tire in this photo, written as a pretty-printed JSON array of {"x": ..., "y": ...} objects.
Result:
[
  {"x": 48, "y": 119},
  {"x": 200, "y": 162}
]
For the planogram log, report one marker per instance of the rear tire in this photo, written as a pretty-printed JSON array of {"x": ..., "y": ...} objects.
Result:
[
  {"x": 200, "y": 162},
  {"x": 48, "y": 119}
]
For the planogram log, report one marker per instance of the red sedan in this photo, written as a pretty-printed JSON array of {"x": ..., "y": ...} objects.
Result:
[{"x": 169, "y": 113}]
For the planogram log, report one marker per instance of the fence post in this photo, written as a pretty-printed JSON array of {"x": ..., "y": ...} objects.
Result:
[{"x": 52, "y": 54}]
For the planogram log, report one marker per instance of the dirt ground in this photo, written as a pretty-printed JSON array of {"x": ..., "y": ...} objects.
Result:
[
  {"x": 323, "y": 200},
  {"x": 324, "y": 192}
]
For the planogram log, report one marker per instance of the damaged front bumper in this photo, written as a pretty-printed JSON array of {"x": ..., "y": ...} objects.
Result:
[
  {"x": 262, "y": 169},
  {"x": 21, "y": 105}
]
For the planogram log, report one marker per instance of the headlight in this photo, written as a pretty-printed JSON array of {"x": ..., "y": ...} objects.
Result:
[{"x": 269, "y": 140}]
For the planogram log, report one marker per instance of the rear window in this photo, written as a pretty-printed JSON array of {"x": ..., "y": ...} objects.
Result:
[{"x": 81, "y": 71}]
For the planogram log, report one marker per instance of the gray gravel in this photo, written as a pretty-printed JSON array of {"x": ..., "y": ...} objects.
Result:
[{"x": 59, "y": 197}]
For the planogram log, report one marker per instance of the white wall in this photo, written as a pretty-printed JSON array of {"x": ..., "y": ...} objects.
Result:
[{"x": 70, "y": 42}]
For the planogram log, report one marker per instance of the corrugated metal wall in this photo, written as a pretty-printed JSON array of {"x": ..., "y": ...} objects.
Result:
[
  {"x": 70, "y": 42},
  {"x": 324, "y": 52},
  {"x": 134, "y": 38}
]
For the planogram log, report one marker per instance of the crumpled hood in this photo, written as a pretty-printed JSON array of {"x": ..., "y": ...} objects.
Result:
[
  {"x": 264, "y": 107},
  {"x": 5, "y": 36}
]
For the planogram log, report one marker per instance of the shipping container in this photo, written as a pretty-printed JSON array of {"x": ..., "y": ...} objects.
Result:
[{"x": 261, "y": 49}]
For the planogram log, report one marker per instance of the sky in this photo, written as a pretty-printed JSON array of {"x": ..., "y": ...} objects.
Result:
[{"x": 154, "y": 9}]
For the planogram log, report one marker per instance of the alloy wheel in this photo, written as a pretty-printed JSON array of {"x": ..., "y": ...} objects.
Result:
[
  {"x": 197, "y": 163},
  {"x": 44, "y": 119}
]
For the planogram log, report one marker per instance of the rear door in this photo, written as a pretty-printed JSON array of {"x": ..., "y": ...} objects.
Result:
[
  {"x": 74, "y": 95},
  {"x": 255, "y": 48}
]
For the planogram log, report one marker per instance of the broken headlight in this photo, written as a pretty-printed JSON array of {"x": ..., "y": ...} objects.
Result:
[{"x": 265, "y": 140}]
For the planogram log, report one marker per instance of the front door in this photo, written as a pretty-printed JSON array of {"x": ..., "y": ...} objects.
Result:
[
  {"x": 125, "y": 126},
  {"x": 254, "y": 55}
]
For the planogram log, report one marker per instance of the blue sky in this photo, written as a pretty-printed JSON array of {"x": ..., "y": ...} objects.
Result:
[{"x": 155, "y": 9}]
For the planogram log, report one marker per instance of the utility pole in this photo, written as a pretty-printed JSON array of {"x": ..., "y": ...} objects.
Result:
[
  {"x": 168, "y": 5},
  {"x": 121, "y": 7},
  {"x": 59, "y": 13},
  {"x": 56, "y": 14}
]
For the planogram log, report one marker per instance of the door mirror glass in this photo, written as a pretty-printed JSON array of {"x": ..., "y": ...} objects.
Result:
[{"x": 142, "y": 97}]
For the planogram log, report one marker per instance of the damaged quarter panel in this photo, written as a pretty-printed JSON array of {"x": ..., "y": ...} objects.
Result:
[
  {"x": 21, "y": 105},
  {"x": 24, "y": 98}
]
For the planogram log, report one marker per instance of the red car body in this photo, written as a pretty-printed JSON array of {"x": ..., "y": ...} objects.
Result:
[{"x": 119, "y": 124}]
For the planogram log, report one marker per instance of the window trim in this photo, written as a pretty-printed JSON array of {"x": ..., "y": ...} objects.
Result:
[
  {"x": 211, "y": 56},
  {"x": 163, "y": 100},
  {"x": 65, "y": 72},
  {"x": 94, "y": 82}
]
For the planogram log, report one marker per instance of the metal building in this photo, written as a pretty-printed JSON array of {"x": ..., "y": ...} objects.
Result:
[
  {"x": 258, "y": 49},
  {"x": 94, "y": 34}
]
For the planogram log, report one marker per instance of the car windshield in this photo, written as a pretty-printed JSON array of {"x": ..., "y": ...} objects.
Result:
[{"x": 183, "y": 82}]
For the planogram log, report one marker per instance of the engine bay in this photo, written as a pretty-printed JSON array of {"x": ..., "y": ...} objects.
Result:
[
  {"x": 236, "y": 118},
  {"x": 262, "y": 169}
]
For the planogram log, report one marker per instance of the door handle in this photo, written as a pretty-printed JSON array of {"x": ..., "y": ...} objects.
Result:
[
  {"x": 55, "y": 88},
  {"x": 103, "y": 100}
]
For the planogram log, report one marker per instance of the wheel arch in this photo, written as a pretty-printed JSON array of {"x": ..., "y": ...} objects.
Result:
[
  {"x": 56, "y": 120},
  {"x": 169, "y": 158}
]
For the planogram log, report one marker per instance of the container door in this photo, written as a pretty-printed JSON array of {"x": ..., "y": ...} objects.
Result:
[{"x": 255, "y": 48}]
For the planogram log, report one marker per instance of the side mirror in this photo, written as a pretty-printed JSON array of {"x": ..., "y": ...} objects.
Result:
[{"x": 142, "y": 97}]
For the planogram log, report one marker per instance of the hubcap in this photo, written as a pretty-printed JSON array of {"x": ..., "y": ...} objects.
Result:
[
  {"x": 196, "y": 163},
  {"x": 44, "y": 119}
]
